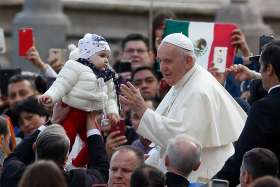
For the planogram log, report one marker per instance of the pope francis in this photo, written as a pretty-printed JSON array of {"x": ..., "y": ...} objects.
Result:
[{"x": 197, "y": 105}]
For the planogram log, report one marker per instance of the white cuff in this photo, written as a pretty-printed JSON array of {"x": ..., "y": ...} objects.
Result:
[
  {"x": 255, "y": 75},
  {"x": 42, "y": 127},
  {"x": 93, "y": 132},
  {"x": 49, "y": 72}
]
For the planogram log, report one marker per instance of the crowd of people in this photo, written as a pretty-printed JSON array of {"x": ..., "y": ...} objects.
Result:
[{"x": 154, "y": 117}]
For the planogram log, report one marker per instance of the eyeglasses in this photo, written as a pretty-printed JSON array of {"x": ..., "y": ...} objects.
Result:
[{"x": 140, "y": 51}]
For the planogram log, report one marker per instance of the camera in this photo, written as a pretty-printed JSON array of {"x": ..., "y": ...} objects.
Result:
[
  {"x": 123, "y": 68},
  {"x": 263, "y": 40}
]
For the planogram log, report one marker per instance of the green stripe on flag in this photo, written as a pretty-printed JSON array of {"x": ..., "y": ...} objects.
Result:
[{"x": 173, "y": 26}]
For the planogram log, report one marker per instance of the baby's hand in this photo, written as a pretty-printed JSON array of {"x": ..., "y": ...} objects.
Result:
[
  {"x": 45, "y": 100},
  {"x": 114, "y": 118}
]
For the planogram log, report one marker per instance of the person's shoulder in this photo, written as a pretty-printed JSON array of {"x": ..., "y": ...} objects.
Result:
[
  {"x": 264, "y": 105},
  {"x": 266, "y": 101},
  {"x": 75, "y": 177},
  {"x": 83, "y": 177},
  {"x": 73, "y": 173},
  {"x": 11, "y": 170},
  {"x": 203, "y": 80}
]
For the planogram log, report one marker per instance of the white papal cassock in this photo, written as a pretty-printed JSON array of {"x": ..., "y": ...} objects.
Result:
[{"x": 198, "y": 105}]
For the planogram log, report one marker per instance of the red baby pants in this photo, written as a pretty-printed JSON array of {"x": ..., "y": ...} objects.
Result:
[{"x": 75, "y": 123}]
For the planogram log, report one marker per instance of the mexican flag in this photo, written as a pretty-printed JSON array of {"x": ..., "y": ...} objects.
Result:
[{"x": 211, "y": 41}]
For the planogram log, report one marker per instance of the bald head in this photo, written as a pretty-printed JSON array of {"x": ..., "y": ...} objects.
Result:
[
  {"x": 123, "y": 162},
  {"x": 183, "y": 154}
]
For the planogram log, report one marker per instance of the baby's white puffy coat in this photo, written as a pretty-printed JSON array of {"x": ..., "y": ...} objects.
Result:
[{"x": 78, "y": 87}]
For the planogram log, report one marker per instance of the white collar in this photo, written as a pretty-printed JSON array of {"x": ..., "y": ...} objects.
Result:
[
  {"x": 186, "y": 77},
  {"x": 277, "y": 85}
]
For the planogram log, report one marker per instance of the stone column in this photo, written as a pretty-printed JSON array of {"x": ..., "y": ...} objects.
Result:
[
  {"x": 4, "y": 63},
  {"x": 49, "y": 26},
  {"x": 248, "y": 16}
]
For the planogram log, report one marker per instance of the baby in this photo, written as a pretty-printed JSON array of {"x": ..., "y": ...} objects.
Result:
[{"x": 85, "y": 85}]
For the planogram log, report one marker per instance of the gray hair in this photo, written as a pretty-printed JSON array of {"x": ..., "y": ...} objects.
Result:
[
  {"x": 53, "y": 144},
  {"x": 184, "y": 153},
  {"x": 188, "y": 53}
]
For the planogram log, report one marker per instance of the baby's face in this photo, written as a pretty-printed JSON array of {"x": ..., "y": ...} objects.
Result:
[{"x": 100, "y": 59}]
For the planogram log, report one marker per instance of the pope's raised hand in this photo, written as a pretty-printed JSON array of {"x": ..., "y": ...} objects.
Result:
[{"x": 131, "y": 97}]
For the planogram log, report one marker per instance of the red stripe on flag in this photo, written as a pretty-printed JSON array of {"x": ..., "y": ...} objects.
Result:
[{"x": 222, "y": 37}]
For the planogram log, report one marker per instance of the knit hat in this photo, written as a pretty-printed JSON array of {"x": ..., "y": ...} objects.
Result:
[
  {"x": 179, "y": 40},
  {"x": 91, "y": 44}
]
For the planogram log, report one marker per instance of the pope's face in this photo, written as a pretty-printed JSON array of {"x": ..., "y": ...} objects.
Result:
[{"x": 173, "y": 64}]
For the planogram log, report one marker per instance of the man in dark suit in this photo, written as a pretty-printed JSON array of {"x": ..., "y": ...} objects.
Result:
[
  {"x": 262, "y": 127},
  {"x": 256, "y": 163},
  {"x": 53, "y": 144}
]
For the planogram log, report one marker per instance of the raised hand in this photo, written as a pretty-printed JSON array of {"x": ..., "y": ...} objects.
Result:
[
  {"x": 241, "y": 72},
  {"x": 113, "y": 141},
  {"x": 131, "y": 97},
  {"x": 220, "y": 76},
  {"x": 33, "y": 56},
  {"x": 238, "y": 40}
]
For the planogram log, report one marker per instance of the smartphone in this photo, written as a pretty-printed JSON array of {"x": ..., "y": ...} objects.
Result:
[
  {"x": 123, "y": 66},
  {"x": 120, "y": 126},
  {"x": 5, "y": 75},
  {"x": 218, "y": 183},
  {"x": 220, "y": 58},
  {"x": 59, "y": 54},
  {"x": 2, "y": 41},
  {"x": 25, "y": 40},
  {"x": 263, "y": 40}
]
